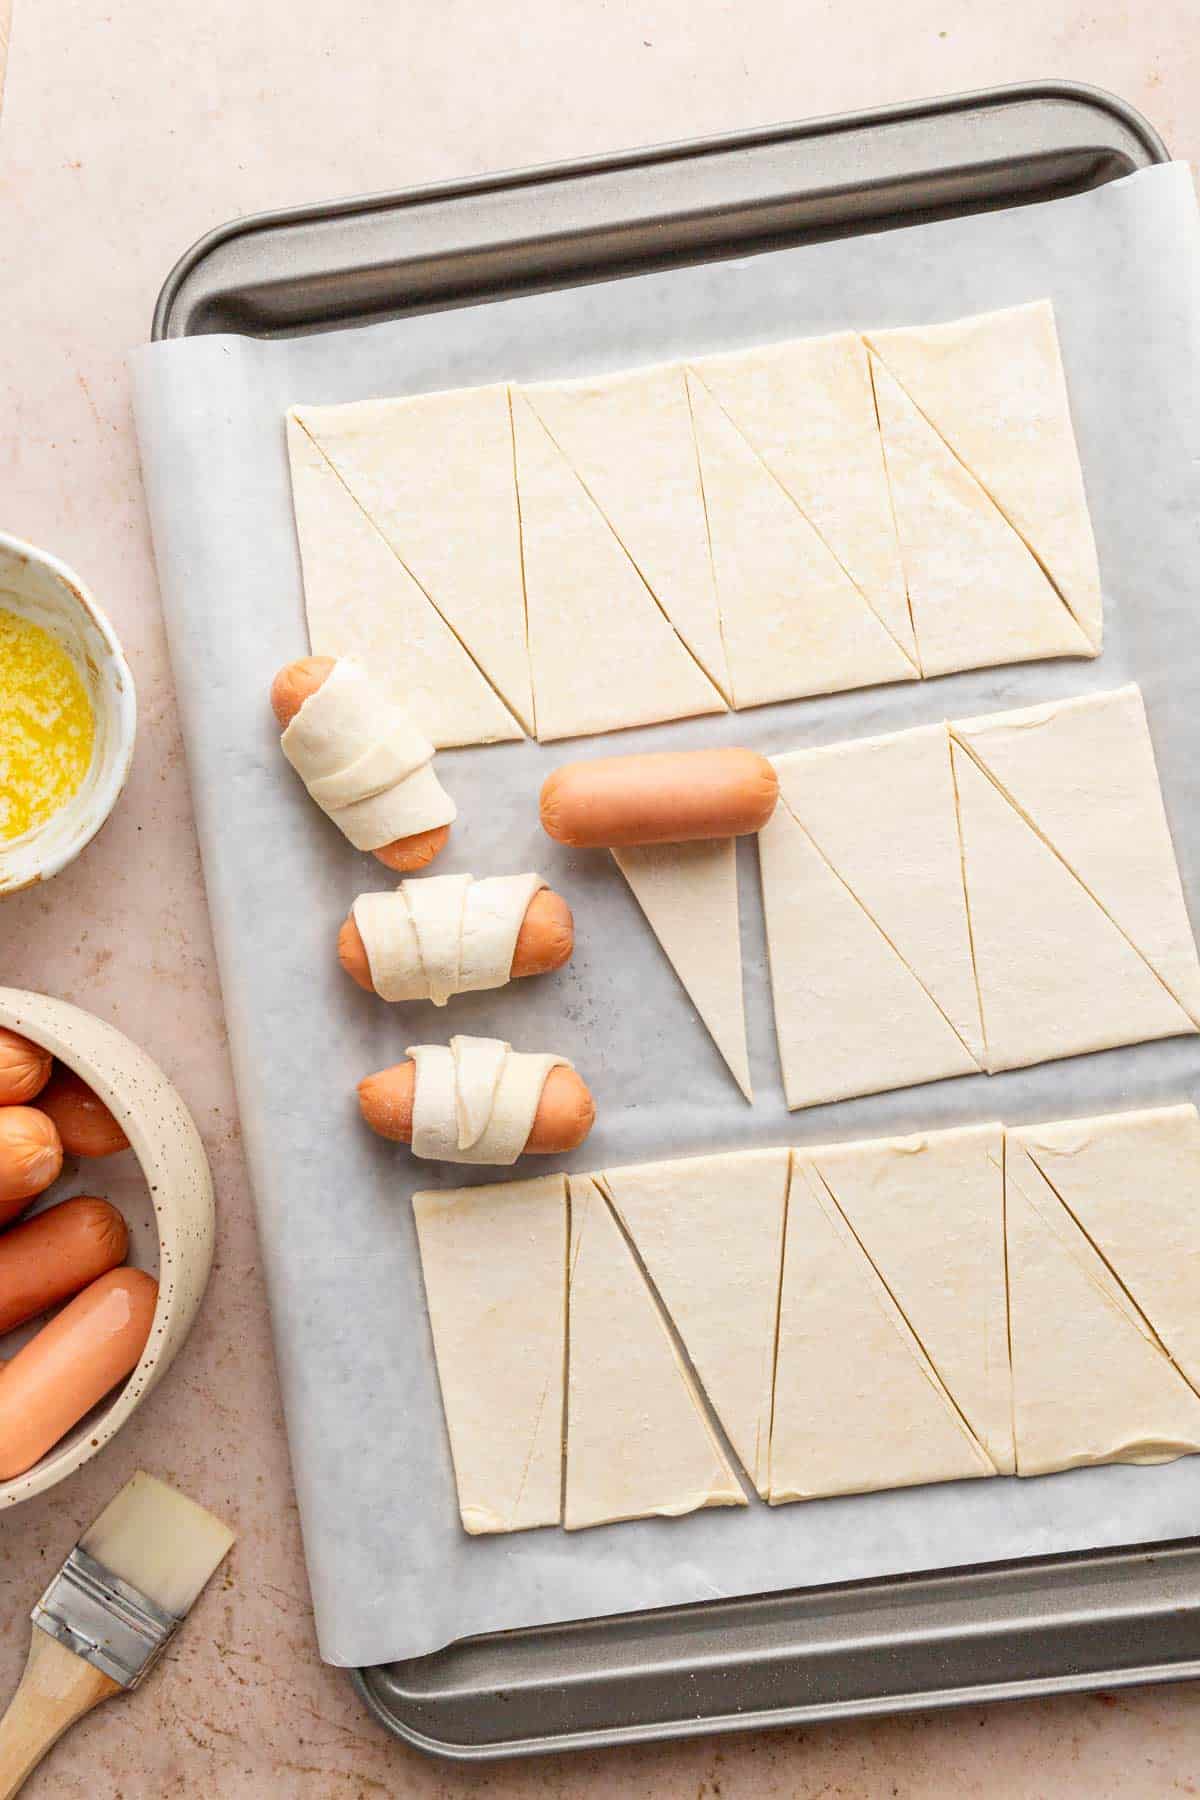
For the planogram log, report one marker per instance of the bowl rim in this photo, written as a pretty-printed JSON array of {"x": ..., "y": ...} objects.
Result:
[
  {"x": 108, "y": 792},
  {"x": 50, "y": 1022}
]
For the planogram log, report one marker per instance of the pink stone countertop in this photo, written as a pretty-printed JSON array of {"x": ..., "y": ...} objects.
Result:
[{"x": 128, "y": 130}]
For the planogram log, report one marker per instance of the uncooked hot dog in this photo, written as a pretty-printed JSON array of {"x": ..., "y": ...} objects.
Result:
[
  {"x": 289, "y": 690},
  {"x": 24, "y": 1068},
  {"x": 85, "y": 1125},
  {"x": 566, "y": 1111},
  {"x": 544, "y": 943},
  {"x": 50, "y": 1257},
  {"x": 662, "y": 797},
  {"x": 85, "y": 1350},
  {"x": 31, "y": 1155}
]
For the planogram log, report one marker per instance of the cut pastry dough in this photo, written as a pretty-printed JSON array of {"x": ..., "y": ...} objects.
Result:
[
  {"x": 476, "y": 1099},
  {"x": 443, "y": 934},
  {"x": 638, "y": 1441},
  {"x": 1090, "y": 1382},
  {"x": 434, "y": 473},
  {"x": 794, "y": 623},
  {"x": 858, "y": 1405},
  {"x": 689, "y": 894},
  {"x": 929, "y": 1214},
  {"x": 495, "y": 1263},
  {"x": 993, "y": 387},
  {"x": 977, "y": 595},
  {"x": 629, "y": 439},
  {"x": 881, "y": 811},
  {"x": 362, "y": 601},
  {"x": 1056, "y": 977},
  {"x": 709, "y": 1230},
  {"x": 807, "y": 408},
  {"x": 850, "y": 1015},
  {"x": 364, "y": 762},
  {"x": 1082, "y": 772},
  {"x": 603, "y": 655},
  {"x": 1131, "y": 1182}
]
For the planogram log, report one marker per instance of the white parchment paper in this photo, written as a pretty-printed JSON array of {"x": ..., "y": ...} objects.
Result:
[{"x": 392, "y": 1573}]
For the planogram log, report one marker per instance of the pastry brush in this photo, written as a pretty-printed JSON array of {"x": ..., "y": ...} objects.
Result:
[{"x": 107, "y": 1616}]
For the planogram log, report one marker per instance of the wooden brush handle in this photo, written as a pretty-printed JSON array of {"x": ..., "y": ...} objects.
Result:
[{"x": 57, "y": 1688}]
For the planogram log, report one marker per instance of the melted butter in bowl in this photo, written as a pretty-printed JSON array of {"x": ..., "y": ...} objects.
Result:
[
  {"x": 68, "y": 716},
  {"x": 47, "y": 726}
]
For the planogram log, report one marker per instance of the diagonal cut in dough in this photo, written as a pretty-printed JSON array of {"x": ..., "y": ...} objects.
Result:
[
  {"x": 793, "y": 620},
  {"x": 929, "y": 1214},
  {"x": 858, "y": 1405},
  {"x": 978, "y": 596},
  {"x": 709, "y": 1230},
  {"x": 689, "y": 895},
  {"x": 807, "y": 409},
  {"x": 1082, "y": 772},
  {"x": 602, "y": 652},
  {"x": 495, "y": 1266},
  {"x": 638, "y": 1441},
  {"x": 850, "y": 1015},
  {"x": 1056, "y": 977},
  {"x": 993, "y": 387},
  {"x": 1091, "y": 1384},
  {"x": 362, "y": 602},
  {"x": 629, "y": 439},
  {"x": 881, "y": 811},
  {"x": 1130, "y": 1182},
  {"x": 434, "y": 474}
]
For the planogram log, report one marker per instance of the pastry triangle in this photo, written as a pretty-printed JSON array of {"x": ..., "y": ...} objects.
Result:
[
  {"x": 1090, "y": 1384},
  {"x": 929, "y": 1213},
  {"x": 495, "y": 1267},
  {"x": 977, "y": 595},
  {"x": 361, "y": 601},
  {"x": 1056, "y": 978},
  {"x": 858, "y": 1406},
  {"x": 434, "y": 473},
  {"x": 807, "y": 408},
  {"x": 794, "y": 622},
  {"x": 709, "y": 1230},
  {"x": 602, "y": 653},
  {"x": 993, "y": 387},
  {"x": 1082, "y": 772},
  {"x": 638, "y": 1441},
  {"x": 689, "y": 895},
  {"x": 629, "y": 439},
  {"x": 1130, "y": 1182},
  {"x": 881, "y": 811},
  {"x": 850, "y": 1015}
]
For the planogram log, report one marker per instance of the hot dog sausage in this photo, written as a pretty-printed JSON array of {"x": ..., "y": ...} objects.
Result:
[
  {"x": 664, "y": 797},
  {"x": 24, "y": 1069},
  {"x": 52, "y": 1256},
  {"x": 31, "y": 1155},
  {"x": 566, "y": 1111},
  {"x": 289, "y": 690},
  {"x": 85, "y": 1125},
  {"x": 544, "y": 943},
  {"x": 71, "y": 1364}
]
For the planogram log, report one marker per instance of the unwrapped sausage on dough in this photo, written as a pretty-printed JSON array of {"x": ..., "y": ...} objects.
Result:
[{"x": 364, "y": 762}]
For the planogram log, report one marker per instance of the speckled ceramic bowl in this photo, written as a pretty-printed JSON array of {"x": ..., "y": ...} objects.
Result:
[
  {"x": 167, "y": 1146},
  {"x": 39, "y": 587}
]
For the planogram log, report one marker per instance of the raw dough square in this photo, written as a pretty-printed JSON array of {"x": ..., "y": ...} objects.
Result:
[{"x": 974, "y": 897}]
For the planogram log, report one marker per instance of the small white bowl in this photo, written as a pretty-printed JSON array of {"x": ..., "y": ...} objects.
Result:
[
  {"x": 39, "y": 587},
  {"x": 163, "y": 1137}
]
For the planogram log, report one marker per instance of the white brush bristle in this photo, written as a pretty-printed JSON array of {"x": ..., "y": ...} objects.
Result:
[{"x": 160, "y": 1542}]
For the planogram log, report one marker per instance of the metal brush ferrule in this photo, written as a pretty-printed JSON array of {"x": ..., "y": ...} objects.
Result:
[{"x": 104, "y": 1620}]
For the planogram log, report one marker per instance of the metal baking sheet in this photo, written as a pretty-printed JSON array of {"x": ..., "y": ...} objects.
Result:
[{"x": 635, "y": 1633}]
